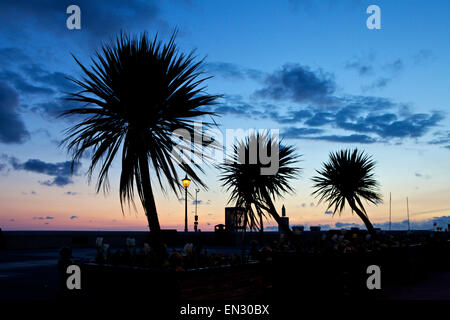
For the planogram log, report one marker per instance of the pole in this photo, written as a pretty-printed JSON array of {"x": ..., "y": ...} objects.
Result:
[
  {"x": 407, "y": 210},
  {"x": 390, "y": 210},
  {"x": 196, "y": 191},
  {"x": 196, "y": 216},
  {"x": 185, "y": 211}
]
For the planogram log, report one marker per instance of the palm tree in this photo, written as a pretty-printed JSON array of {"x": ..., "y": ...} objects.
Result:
[
  {"x": 348, "y": 177},
  {"x": 251, "y": 188},
  {"x": 135, "y": 94}
]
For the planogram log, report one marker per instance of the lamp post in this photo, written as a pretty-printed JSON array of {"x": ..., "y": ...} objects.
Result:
[{"x": 186, "y": 183}]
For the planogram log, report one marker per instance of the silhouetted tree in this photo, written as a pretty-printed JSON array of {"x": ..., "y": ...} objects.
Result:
[
  {"x": 135, "y": 94},
  {"x": 348, "y": 177},
  {"x": 249, "y": 187}
]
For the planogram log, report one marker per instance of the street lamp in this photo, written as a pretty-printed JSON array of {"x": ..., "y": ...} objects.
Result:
[{"x": 186, "y": 183}]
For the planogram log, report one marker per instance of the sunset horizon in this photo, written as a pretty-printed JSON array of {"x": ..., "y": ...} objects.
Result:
[{"x": 387, "y": 96}]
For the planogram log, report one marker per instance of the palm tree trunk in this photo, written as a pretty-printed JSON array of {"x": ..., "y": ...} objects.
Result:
[
  {"x": 243, "y": 240},
  {"x": 261, "y": 229},
  {"x": 148, "y": 202},
  {"x": 291, "y": 236},
  {"x": 363, "y": 217}
]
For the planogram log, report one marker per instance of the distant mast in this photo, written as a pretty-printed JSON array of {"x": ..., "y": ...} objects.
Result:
[
  {"x": 390, "y": 210},
  {"x": 407, "y": 211}
]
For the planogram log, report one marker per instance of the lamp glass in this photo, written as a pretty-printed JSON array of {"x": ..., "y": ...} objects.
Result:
[{"x": 186, "y": 182}]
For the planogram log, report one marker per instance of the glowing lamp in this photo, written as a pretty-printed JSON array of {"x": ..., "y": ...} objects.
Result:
[{"x": 186, "y": 182}]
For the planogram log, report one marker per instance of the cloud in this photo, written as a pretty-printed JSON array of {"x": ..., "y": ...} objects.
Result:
[
  {"x": 12, "y": 127},
  {"x": 23, "y": 85},
  {"x": 416, "y": 225},
  {"x": 243, "y": 110},
  {"x": 59, "y": 181},
  {"x": 39, "y": 166},
  {"x": 366, "y": 119},
  {"x": 320, "y": 119},
  {"x": 394, "y": 66},
  {"x": 60, "y": 171},
  {"x": 232, "y": 71},
  {"x": 98, "y": 18},
  {"x": 328, "y": 212},
  {"x": 441, "y": 138},
  {"x": 422, "y": 56},
  {"x": 315, "y": 109},
  {"x": 71, "y": 193},
  {"x": 197, "y": 202},
  {"x": 353, "y": 138},
  {"x": 385, "y": 73},
  {"x": 43, "y": 218},
  {"x": 73, "y": 217},
  {"x": 379, "y": 83},
  {"x": 31, "y": 192},
  {"x": 295, "y": 133},
  {"x": 361, "y": 66},
  {"x": 421, "y": 175},
  {"x": 297, "y": 83},
  {"x": 341, "y": 225},
  {"x": 293, "y": 116},
  {"x": 387, "y": 125},
  {"x": 43, "y": 90},
  {"x": 391, "y": 70},
  {"x": 426, "y": 224},
  {"x": 12, "y": 55},
  {"x": 57, "y": 80}
]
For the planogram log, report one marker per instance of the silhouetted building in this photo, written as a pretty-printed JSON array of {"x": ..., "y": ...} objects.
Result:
[
  {"x": 234, "y": 219},
  {"x": 298, "y": 229},
  {"x": 284, "y": 219}
]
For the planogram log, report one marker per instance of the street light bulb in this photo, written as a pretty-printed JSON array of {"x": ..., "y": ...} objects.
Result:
[{"x": 186, "y": 182}]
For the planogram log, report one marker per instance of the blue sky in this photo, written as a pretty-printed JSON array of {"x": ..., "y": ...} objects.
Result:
[{"x": 311, "y": 69}]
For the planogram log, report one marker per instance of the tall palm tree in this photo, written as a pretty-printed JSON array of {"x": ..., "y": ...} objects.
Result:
[
  {"x": 249, "y": 187},
  {"x": 135, "y": 94},
  {"x": 348, "y": 177}
]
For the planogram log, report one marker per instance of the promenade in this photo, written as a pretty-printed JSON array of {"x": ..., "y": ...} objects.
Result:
[{"x": 32, "y": 275}]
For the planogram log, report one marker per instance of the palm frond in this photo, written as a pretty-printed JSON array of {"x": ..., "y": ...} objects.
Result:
[
  {"x": 244, "y": 179},
  {"x": 347, "y": 177},
  {"x": 135, "y": 94}
]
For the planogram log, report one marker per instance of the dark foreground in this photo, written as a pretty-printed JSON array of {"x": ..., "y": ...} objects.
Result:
[
  {"x": 32, "y": 275},
  {"x": 323, "y": 269}
]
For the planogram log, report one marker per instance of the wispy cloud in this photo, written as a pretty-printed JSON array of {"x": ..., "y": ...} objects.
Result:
[
  {"x": 232, "y": 71},
  {"x": 43, "y": 218}
]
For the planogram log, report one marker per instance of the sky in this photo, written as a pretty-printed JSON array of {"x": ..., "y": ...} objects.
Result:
[{"x": 311, "y": 69}]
